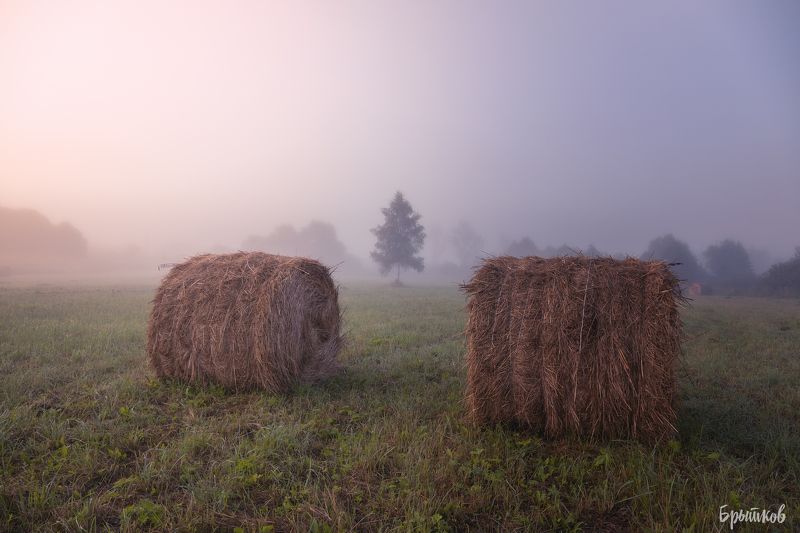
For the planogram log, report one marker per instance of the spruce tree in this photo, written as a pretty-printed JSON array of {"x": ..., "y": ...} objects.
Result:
[{"x": 400, "y": 238}]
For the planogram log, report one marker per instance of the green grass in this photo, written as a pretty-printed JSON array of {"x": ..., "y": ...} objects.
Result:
[{"x": 90, "y": 440}]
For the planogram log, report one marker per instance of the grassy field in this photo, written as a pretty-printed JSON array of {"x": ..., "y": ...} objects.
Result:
[{"x": 89, "y": 440}]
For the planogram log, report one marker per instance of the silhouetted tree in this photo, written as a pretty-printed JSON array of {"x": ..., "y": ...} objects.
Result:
[
  {"x": 729, "y": 263},
  {"x": 317, "y": 239},
  {"x": 283, "y": 240},
  {"x": 467, "y": 243},
  {"x": 28, "y": 238},
  {"x": 782, "y": 279},
  {"x": 322, "y": 236},
  {"x": 400, "y": 238},
  {"x": 522, "y": 248},
  {"x": 668, "y": 248}
]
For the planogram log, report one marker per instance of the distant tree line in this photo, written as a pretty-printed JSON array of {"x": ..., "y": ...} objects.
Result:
[
  {"x": 782, "y": 279},
  {"x": 726, "y": 268},
  {"x": 28, "y": 240},
  {"x": 526, "y": 247},
  {"x": 317, "y": 240}
]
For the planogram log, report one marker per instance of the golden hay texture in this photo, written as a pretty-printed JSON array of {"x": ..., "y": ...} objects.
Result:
[
  {"x": 245, "y": 320},
  {"x": 574, "y": 346}
]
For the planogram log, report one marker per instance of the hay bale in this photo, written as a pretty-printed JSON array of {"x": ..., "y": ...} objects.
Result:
[
  {"x": 245, "y": 320},
  {"x": 574, "y": 346}
]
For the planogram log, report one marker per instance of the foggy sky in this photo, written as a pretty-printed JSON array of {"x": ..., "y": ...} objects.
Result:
[{"x": 167, "y": 123}]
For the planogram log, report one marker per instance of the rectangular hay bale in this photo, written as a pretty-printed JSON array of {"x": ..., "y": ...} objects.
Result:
[{"x": 574, "y": 346}]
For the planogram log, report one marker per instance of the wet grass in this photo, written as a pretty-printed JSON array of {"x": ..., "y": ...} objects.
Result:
[{"x": 89, "y": 440}]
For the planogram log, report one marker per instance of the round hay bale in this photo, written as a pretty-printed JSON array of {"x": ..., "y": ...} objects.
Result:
[{"x": 245, "y": 320}]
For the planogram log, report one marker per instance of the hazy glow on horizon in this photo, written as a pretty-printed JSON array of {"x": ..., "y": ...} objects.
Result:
[{"x": 200, "y": 123}]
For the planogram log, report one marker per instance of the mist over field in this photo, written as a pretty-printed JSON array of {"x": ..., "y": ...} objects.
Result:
[
  {"x": 471, "y": 266},
  {"x": 135, "y": 134}
]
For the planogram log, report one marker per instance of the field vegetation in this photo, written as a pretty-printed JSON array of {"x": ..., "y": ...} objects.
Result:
[{"x": 90, "y": 440}]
